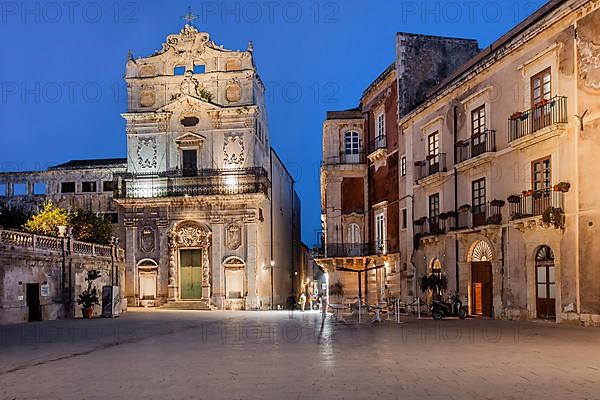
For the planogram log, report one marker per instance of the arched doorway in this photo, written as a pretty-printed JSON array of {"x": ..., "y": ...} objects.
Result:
[
  {"x": 482, "y": 290},
  {"x": 545, "y": 283},
  {"x": 147, "y": 281},
  {"x": 435, "y": 269}
]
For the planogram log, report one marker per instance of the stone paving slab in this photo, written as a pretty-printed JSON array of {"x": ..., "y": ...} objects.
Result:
[{"x": 280, "y": 355}]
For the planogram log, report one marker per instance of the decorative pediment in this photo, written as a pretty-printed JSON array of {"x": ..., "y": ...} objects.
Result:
[
  {"x": 189, "y": 41},
  {"x": 190, "y": 139},
  {"x": 190, "y": 234},
  {"x": 189, "y": 104},
  {"x": 234, "y": 262}
]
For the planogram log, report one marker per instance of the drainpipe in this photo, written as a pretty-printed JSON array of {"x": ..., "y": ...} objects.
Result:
[{"x": 455, "y": 125}]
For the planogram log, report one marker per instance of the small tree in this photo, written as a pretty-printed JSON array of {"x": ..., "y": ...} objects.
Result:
[
  {"x": 47, "y": 220},
  {"x": 435, "y": 283},
  {"x": 337, "y": 290},
  {"x": 89, "y": 227},
  {"x": 12, "y": 217}
]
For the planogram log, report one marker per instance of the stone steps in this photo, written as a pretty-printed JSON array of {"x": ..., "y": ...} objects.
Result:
[{"x": 198, "y": 305}]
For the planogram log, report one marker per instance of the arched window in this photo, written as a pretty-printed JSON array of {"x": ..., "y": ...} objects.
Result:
[
  {"x": 353, "y": 234},
  {"x": 351, "y": 143}
]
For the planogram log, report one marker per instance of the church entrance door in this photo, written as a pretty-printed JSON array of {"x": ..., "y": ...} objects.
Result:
[{"x": 190, "y": 262}]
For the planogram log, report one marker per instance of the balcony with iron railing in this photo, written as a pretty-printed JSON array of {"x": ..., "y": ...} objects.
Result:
[
  {"x": 191, "y": 182},
  {"x": 546, "y": 115},
  {"x": 477, "y": 216},
  {"x": 534, "y": 203},
  {"x": 379, "y": 143},
  {"x": 476, "y": 145},
  {"x": 346, "y": 159},
  {"x": 433, "y": 165},
  {"x": 349, "y": 250}
]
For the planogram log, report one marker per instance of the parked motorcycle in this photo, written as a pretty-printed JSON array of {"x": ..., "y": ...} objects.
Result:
[{"x": 452, "y": 308}]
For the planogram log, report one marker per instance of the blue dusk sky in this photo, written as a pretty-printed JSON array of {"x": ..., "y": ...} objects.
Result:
[{"x": 62, "y": 67}]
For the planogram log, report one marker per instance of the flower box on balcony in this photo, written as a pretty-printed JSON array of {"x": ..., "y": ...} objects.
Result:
[
  {"x": 562, "y": 187},
  {"x": 541, "y": 103},
  {"x": 527, "y": 193},
  {"x": 516, "y": 115},
  {"x": 513, "y": 199},
  {"x": 464, "y": 208},
  {"x": 452, "y": 214},
  {"x": 443, "y": 216}
]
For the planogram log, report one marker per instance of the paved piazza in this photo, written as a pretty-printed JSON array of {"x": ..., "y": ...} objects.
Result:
[{"x": 279, "y": 355}]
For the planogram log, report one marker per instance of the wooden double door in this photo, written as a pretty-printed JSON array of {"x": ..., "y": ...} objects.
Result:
[
  {"x": 190, "y": 264},
  {"x": 482, "y": 288}
]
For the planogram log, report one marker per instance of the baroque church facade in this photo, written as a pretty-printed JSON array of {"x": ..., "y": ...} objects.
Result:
[{"x": 207, "y": 211}]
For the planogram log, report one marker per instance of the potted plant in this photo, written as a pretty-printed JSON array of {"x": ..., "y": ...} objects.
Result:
[
  {"x": 497, "y": 203},
  {"x": 464, "y": 208},
  {"x": 527, "y": 193},
  {"x": 89, "y": 297},
  {"x": 562, "y": 187},
  {"x": 516, "y": 115},
  {"x": 435, "y": 283},
  {"x": 419, "y": 222},
  {"x": 514, "y": 199},
  {"x": 443, "y": 216},
  {"x": 553, "y": 216},
  {"x": 452, "y": 214},
  {"x": 337, "y": 290}
]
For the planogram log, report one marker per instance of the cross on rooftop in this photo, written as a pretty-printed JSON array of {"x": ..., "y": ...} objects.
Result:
[{"x": 189, "y": 17}]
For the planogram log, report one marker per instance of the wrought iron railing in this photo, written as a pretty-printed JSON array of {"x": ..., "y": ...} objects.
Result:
[
  {"x": 479, "y": 215},
  {"x": 477, "y": 145},
  {"x": 344, "y": 158},
  {"x": 546, "y": 113},
  {"x": 351, "y": 249},
  {"x": 380, "y": 142},
  {"x": 202, "y": 182},
  {"x": 533, "y": 203},
  {"x": 432, "y": 165}
]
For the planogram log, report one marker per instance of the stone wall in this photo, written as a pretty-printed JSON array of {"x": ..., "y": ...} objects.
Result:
[{"x": 30, "y": 259}]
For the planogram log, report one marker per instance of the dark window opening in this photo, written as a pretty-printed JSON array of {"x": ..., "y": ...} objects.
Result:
[
  {"x": 67, "y": 187},
  {"x": 112, "y": 217},
  {"x": 88, "y": 187},
  {"x": 190, "y": 121},
  {"x": 108, "y": 186},
  {"x": 199, "y": 69}
]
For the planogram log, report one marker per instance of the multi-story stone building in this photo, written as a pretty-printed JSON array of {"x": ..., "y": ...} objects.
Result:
[
  {"x": 209, "y": 215},
  {"x": 500, "y": 171}
]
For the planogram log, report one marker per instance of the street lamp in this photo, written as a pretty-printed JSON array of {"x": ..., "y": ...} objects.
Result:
[
  {"x": 272, "y": 291},
  {"x": 114, "y": 242}
]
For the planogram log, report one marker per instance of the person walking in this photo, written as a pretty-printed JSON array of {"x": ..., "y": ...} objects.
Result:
[{"x": 302, "y": 301}]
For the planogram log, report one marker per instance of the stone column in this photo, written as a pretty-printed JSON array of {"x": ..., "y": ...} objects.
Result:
[
  {"x": 464, "y": 269},
  {"x": 206, "y": 273},
  {"x": 251, "y": 266},
  {"x": 497, "y": 277},
  {"x": 131, "y": 288},
  {"x": 172, "y": 290},
  {"x": 218, "y": 279},
  {"x": 163, "y": 262}
]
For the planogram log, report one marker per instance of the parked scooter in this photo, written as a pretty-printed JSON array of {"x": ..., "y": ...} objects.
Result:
[{"x": 452, "y": 308}]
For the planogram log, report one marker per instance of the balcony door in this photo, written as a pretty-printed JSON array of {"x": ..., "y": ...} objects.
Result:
[
  {"x": 190, "y": 162},
  {"x": 351, "y": 148},
  {"x": 353, "y": 240},
  {"x": 433, "y": 152},
  {"x": 190, "y": 265},
  {"x": 545, "y": 283},
  {"x": 434, "y": 212},
  {"x": 479, "y": 200},
  {"x": 478, "y": 135},
  {"x": 541, "y": 93},
  {"x": 541, "y": 179},
  {"x": 380, "y": 234}
]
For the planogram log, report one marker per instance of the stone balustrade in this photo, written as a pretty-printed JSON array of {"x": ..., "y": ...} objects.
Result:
[{"x": 28, "y": 240}]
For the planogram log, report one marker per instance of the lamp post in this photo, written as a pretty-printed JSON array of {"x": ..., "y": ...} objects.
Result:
[
  {"x": 114, "y": 271},
  {"x": 272, "y": 290}
]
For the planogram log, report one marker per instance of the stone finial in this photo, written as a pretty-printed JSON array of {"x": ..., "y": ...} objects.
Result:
[
  {"x": 250, "y": 46},
  {"x": 190, "y": 17}
]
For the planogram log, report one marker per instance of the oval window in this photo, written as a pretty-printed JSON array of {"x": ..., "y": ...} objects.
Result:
[{"x": 190, "y": 121}]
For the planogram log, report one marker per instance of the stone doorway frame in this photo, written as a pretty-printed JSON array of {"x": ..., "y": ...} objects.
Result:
[{"x": 189, "y": 235}]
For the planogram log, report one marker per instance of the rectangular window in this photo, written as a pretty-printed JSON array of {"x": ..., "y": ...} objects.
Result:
[
  {"x": 179, "y": 70},
  {"x": 541, "y": 87},
  {"x": 404, "y": 219},
  {"x": 3, "y": 191},
  {"x": 108, "y": 186},
  {"x": 541, "y": 174},
  {"x": 478, "y": 121},
  {"x": 380, "y": 233},
  {"x": 67, "y": 187},
  {"x": 112, "y": 217},
  {"x": 351, "y": 143},
  {"x": 190, "y": 162},
  {"x": 434, "y": 206},
  {"x": 20, "y": 189},
  {"x": 199, "y": 69},
  {"x": 39, "y": 188},
  {"x": 478, "y": 196},
  {"x": 433, "y": 151},
  {"x": 403, "y": 166},
  {"x": 88, "y": 187},
  {"x": 380, "y": 125}
]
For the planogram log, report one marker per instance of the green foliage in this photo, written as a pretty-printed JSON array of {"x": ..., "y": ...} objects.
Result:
[
  {"x": 87, "y": 226},
  {"x": 47, "y": 220},
  {"x": 205, "y": 94},
  {"x": 13, "y": 217},
  {"x": 435, "y": 283},
  {"x": 89, "y": 297},
  {"x": 553, "y": 216}
]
